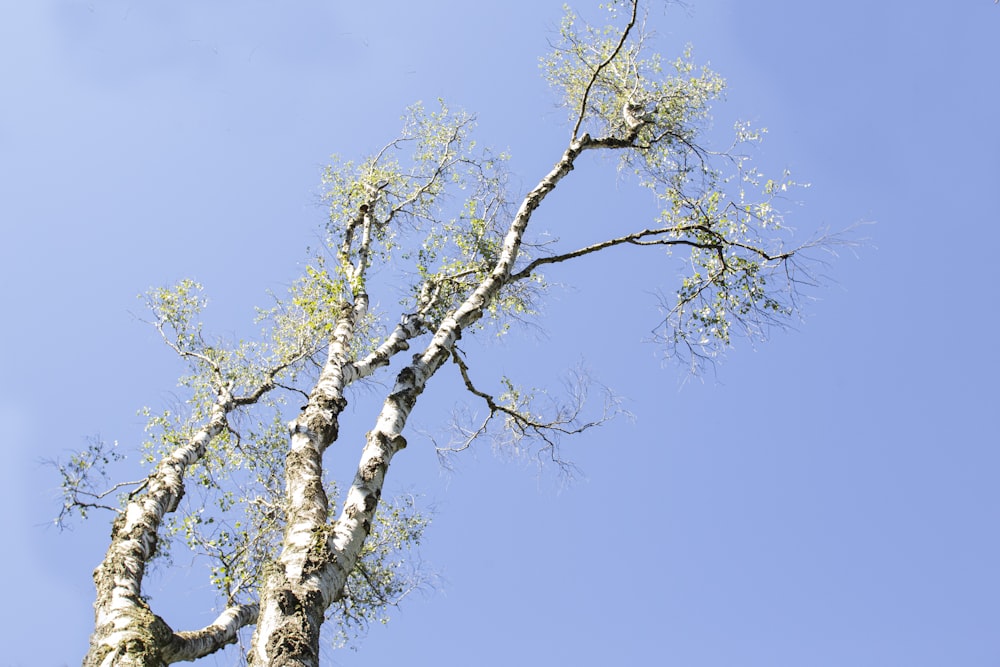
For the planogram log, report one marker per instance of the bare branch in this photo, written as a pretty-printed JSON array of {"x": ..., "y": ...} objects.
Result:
[{"x": 520, "y": 424}]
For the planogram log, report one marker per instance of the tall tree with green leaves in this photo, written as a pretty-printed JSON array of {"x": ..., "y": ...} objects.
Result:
[{"x": 237, "y": 472}]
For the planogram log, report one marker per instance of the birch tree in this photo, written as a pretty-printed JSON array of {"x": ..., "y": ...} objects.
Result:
[{"x": 237, "y": 472}]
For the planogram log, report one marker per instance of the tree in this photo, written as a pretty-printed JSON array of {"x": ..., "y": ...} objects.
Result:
[{"x": 238, "y": 475}]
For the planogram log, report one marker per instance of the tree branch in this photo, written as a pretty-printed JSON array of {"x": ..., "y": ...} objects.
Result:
[
  {"x": 599, "y": 68},
  {"x": 640, "y": 238},
  {"x": 191, "y": 645},
  {"x": 520, "y": 424}
]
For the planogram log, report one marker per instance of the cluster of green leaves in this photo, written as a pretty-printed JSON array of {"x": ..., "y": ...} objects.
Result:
[
  {"x": 441, "y": 201},
  {"x": 731, "y": 223},
  {"x": 399, "y": 186},
  {"x": 607, "y": 78},
  {"x": 242, "y": 367},
  {"x": 714, "y": 204},
  {"x": 300, "y": 324}
]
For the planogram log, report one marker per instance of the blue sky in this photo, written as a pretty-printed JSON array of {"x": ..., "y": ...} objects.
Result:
[{"x": 826, "y": 498}]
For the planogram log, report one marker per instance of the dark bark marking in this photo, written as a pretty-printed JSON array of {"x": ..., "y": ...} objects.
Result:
[{"x": 371, "y": 468}]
